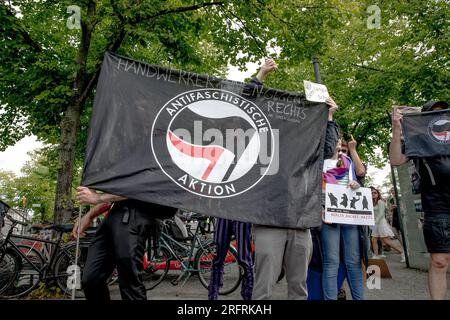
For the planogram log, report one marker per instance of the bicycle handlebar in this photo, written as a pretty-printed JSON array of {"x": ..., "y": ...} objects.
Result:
[{"x": 16, "y": 221}]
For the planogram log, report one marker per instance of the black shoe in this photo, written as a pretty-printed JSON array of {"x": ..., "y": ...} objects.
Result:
[{"x": 342, "y": 295}]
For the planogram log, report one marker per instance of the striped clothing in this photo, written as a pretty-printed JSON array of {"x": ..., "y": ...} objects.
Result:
[{"x": 224, "y": 230}]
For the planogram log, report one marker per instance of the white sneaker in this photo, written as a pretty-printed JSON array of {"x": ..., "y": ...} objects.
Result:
[
  {"x": 403, "y": 258},
  {"x": 382, "y": 256},
  {"x": 376, "y": 257}
]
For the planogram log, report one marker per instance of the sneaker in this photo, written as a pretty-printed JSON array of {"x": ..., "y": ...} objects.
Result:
[
  {"x": 376, "y": 257},
  {"x": 382, "y": 256},
  {"x": 403, "y": 258}
]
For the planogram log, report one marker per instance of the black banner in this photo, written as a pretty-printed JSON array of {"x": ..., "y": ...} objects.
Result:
[
  {"x": 427, "y": 134},
  {"x": 199, "y": 143}
]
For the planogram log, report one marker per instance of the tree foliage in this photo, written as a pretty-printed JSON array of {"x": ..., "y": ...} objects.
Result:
[
  {"x": 36, "y": 183},
  {"x": 368, "y": 70}
]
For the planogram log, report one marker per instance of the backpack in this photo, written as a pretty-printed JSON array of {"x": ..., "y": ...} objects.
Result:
[{"x": 415, "y": 175}]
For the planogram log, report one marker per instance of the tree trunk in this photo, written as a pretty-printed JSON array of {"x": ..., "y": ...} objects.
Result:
[
  {"x": 71, "y": 123},
  {"x": 69, "y": 129}
]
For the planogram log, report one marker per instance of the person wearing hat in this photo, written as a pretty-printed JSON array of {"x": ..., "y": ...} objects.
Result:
[{"x": 435, "y": 197}]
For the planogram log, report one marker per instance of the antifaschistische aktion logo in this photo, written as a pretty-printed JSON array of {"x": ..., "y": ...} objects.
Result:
[
  {"x": 212, "y": 142},
  {"x": 439, "y": 130}
]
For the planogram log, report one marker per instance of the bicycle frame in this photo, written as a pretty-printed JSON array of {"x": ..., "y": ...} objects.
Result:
[
  {"x": 43, "y": 272},
  {"x": 188, "y": 252},
  {"x": 185, "y": 261}
]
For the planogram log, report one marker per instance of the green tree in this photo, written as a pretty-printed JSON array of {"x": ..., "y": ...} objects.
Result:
[
  {"x": 8, "y": 192},
  {"x": 36, "y": 183}
]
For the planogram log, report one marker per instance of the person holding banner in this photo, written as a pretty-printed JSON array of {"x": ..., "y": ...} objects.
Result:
[
  {"x": 291, "y": 249},
  {"x": 226, "y": 228},
  {"x": 120, "y": 241},
  {"x": 336, "y": 237},
  {"x": 432, "y": 160}
]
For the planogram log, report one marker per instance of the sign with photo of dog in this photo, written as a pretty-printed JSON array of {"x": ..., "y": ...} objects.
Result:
[{"x": 347, "y": 206}]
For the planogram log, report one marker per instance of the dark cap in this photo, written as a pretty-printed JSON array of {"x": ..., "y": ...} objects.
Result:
[{"x": 430, "y": 104}]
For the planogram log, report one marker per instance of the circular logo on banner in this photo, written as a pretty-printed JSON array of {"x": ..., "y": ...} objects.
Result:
[
  {"x": 212, "y": 142},
  {"x": 439, "y": 130}
]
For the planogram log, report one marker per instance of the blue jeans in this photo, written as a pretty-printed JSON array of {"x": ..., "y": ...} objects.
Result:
[{"x": 331, "y": 237}]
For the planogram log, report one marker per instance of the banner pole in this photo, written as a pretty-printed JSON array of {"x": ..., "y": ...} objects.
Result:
[
  {"x": 399, "y": 213},
  {"x": 74, "y": 287},
  {"x": 316, "y": 69}
]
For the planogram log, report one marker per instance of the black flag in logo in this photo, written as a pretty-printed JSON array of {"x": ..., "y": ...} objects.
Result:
[
  {"x": 217, "y": 147},
  {"x": 427, "y": 134}
]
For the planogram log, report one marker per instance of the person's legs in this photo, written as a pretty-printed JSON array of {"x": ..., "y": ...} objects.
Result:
[
  {"x": 375, "y": 246},
  {"x": 222, "y": 238},
  {"x": 436, "y": 232},
  {"x": 394, "y": 245},
  {"x": 314, "y": 285},
  {"x": 398, "y": 235},
  {"x": 437, "y": 275},
  {"x": 99, "y": 265},
  {"x": 129, "y": 237},
  {"x": 269, "y": 251},
  {"x": 342, "y": 274},
  {"x": 243, "y": 232},
  {"x": 330, "y": 238},
  {"x": 352, "y": 259},
  {"x": 314, "y": 279},
  {"x": 296, "y": 260}
]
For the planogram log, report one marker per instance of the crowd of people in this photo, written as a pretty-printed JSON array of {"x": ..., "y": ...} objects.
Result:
[{"x": 315, "y": 262}]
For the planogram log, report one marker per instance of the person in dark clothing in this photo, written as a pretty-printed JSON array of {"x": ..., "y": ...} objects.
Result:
[
  {"x": 223, "y": 232},
  {"x": 120, "y": 241},
  {"x": 435, "y": 195}
]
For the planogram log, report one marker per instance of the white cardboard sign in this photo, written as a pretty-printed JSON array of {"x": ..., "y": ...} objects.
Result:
[
  {"x": 315, "y": 92},
  {"x": 347, "y": 206}
]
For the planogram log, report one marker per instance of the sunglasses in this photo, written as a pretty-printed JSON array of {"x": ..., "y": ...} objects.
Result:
[{"x": 342, "y": 151}]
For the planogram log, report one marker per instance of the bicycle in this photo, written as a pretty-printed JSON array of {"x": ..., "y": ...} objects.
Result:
[
  {"x": 194, "y": 258},
  {"x": 22, "y": 267}
]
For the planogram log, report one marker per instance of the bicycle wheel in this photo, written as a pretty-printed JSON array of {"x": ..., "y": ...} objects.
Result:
[
  {"x": 67, "y": 274},
  {"x": 9, "y": 267},
  {"x": 157, "y": 267},
  {"x": 232, "y": 273},
  {"x": 26, "y": 278}
]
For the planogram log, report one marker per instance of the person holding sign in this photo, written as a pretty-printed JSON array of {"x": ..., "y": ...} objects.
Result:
[
  {"x": 336, "y": 237},
  {"x": 349, "y": 148},
  {"x": 382, "y": 228},
  {"x": 434, "y": 173}
]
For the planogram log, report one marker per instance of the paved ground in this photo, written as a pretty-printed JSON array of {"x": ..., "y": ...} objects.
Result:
[{"x": 406, "y": 284}]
